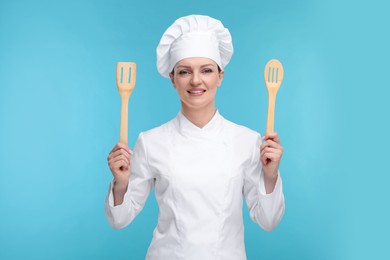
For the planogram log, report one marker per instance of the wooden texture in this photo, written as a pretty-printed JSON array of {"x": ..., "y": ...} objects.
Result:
[
  {"x": 125, "y": 80},
  {"x": 273, "y": 76}
]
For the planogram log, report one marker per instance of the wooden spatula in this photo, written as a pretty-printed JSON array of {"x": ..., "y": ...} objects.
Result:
[
  {"x": 273, "y": 76},
  {"x": 125, "y": 80}
]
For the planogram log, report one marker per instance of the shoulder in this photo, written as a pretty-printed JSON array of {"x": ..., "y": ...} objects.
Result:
[
  {"x": 158, "y": 133},
  {"x": 240, "y": 131},
  {"x": 244, "y": 139}
]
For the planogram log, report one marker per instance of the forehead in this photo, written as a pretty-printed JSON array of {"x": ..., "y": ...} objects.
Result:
[{"x": 195, "y": 62}]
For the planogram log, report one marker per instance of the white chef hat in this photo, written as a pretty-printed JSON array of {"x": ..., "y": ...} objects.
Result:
[{"x": 194, "y": 36}]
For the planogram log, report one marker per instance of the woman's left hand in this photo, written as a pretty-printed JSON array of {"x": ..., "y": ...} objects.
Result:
[{"x": 271, "y": 152}]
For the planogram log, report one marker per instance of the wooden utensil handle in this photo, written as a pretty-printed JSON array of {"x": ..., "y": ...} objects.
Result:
[
  {"x": 271, "y": 112},
  {"x": 124, "y": 120}
]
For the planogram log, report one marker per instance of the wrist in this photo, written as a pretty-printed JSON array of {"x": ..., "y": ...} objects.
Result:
[
  {"x": 120, "y": 185},
  {"x": 270, "y": 182},
  {"x": 270, "y": 177}
]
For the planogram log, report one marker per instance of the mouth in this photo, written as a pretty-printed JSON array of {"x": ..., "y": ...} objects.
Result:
[{"x": 196, "y": 92}]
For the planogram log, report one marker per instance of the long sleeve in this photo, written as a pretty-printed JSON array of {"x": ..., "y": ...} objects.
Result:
[
  {"x": 140, "y": 184},
  {"x": 265, "y": 209}
]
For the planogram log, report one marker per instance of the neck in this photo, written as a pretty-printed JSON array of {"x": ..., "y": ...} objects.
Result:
[{"x": 199, "y": 117}]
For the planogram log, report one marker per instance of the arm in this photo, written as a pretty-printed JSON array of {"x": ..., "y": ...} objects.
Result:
[
  {"x": 263, "y": 193},
  {"x": 271, "y": 152},
  {"x": 124, "y": 202}
]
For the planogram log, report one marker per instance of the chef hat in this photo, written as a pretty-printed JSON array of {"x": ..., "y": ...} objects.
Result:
[{"x": 194, "y": 36}]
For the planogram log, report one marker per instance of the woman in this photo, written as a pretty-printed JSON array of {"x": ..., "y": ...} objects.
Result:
[{"x": 199, "y": 163}]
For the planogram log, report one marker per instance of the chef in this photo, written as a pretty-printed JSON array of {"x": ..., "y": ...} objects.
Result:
[{"x": 200, "y": 164}]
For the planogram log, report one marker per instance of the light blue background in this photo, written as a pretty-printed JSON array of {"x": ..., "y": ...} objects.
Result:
[{"x": 59, "y": 118}]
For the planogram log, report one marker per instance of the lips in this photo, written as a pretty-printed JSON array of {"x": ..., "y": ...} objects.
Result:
[{"x": 196, "y": 91}]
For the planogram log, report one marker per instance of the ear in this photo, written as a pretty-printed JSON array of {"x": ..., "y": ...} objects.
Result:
[
  {"x": 220, "y": 77},
  {"x": 172, "y": 77}
]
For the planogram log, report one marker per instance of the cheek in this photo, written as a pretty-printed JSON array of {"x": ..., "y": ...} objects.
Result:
[
  {"x": 181, "y": 82},
  {"x": 214, "y": 84},
  {"x": 180, "y": 88}
]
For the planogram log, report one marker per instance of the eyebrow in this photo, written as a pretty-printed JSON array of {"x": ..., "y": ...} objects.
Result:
[{"x": 188, "y": 67}]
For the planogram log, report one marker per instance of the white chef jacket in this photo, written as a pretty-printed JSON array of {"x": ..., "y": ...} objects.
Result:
[{"x": 200, "y": 176}]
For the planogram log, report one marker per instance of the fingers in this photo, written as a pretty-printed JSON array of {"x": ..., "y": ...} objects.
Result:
[
  {"x": 271, "y": 140},
  {"x": 119, "y": 157},
  {"x": 119, "y": 146},
  {"x": 267, "y": 157},
  {"x": 119, "y": 165},
  {"x": 271, "y": 149},
  {"x": 120, "y": 152},
  {"x": 273, "y": 136},
  {"x": 271, "y": 143},
  {"x": 270, "y": 157},
  {"x": 120, "y": 149},
  {"x": 271, "y": 153}
]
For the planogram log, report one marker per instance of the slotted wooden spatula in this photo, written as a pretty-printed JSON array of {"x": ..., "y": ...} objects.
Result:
[
  {"x": 273, "y": 76},
  {"x": 125, "y": 80}
]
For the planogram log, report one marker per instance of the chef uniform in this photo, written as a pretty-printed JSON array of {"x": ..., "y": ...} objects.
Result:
[{"x": 200, "y": 175}]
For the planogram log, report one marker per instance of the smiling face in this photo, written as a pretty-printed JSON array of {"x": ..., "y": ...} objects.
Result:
[{"x": 196, "y": 81}]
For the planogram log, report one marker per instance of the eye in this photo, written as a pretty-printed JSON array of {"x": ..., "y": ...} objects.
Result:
[
  {"x": 184, "y": 72},
  {"x": 207, "y": 71}
]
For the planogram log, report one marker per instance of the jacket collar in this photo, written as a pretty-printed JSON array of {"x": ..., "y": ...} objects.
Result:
[{"x": 187, "y": 128}]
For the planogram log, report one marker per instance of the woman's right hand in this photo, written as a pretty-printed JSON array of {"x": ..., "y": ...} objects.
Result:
[{"x": 119, "y": 163}]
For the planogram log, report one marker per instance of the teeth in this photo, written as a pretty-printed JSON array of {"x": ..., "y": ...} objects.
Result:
[{"x": 196, "y": 91}]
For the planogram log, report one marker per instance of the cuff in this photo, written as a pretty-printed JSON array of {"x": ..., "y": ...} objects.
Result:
[
  {"x": 110, "y": 197},
  {"x": 277, "y": 188}
]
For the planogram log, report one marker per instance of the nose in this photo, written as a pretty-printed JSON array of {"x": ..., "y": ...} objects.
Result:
[{"x": 196, "y": 78}]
